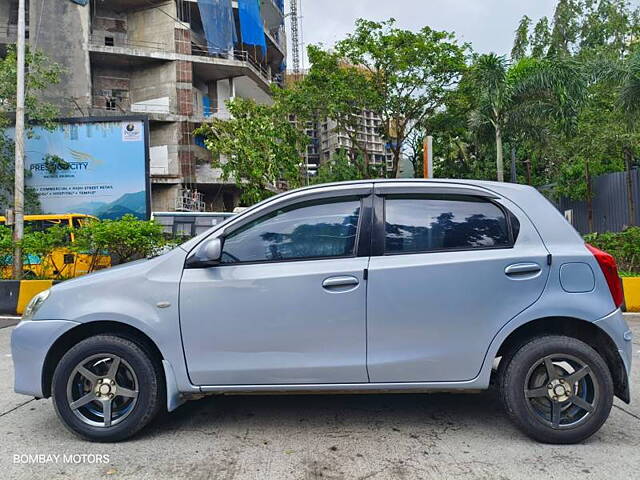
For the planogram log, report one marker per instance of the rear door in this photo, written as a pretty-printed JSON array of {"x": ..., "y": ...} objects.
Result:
[{"x": 451, "y": 266}]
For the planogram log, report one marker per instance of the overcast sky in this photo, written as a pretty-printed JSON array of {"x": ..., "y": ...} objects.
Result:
[{"x": 487, "y": 24}]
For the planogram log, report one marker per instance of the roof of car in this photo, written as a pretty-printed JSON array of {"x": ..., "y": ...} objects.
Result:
[{"x": 489, "y": 185}]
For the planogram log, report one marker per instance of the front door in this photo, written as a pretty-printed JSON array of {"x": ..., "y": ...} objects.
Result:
[
  {"x": 287, "y": 304},
  {"x": 454, "y": 269}
]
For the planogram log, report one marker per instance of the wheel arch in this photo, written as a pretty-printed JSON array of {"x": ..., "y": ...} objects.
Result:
[
  {"x": 585, "y": 331},
  {"x": 86, "y": 330}
]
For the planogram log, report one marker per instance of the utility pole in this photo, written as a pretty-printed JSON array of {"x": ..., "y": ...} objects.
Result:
[
  {"x": 18, "y": 194},
  {"x": 427, "y": 158}
]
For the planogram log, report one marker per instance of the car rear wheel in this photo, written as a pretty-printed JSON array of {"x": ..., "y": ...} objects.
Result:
[
  {"x": 556, "y": 389},
  {"x": 106, "y": 388}
]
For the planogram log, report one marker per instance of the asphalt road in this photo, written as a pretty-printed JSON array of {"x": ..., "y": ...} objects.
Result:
[{"x": 438, "y": 436}]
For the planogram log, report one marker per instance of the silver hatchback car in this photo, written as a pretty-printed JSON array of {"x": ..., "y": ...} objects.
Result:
[{"x": 364, "y": 286}]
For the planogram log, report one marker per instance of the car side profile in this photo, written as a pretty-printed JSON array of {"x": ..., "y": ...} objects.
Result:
[{"x": 362, "y": 286}]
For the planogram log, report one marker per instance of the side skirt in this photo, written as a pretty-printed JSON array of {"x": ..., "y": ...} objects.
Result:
[{"x": 472, "y": 386}]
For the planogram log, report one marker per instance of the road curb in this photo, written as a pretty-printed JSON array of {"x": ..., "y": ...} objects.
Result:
[{"x": 16, "y": 294}]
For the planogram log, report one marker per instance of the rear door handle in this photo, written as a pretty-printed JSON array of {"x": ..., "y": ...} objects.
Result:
[
  {"x": 340, "y": 282},
  {"x": 522, "y": 269}
]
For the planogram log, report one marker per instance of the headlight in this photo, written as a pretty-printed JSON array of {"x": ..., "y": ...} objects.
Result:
[{"x": 34, "y": 305}]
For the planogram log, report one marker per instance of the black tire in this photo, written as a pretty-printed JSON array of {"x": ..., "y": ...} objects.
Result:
[
  {"x": 134, "y": 365},
  {"x": 526, "y": 389}
]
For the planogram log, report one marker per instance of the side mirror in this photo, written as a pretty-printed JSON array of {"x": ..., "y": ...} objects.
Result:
[{"x": 206, "y": 255}]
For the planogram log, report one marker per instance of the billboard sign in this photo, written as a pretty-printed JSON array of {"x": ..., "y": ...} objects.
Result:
[{"x": 106, "y": 168}]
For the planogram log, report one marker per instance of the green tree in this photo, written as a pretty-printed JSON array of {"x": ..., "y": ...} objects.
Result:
[
  {"x": 521, "y": 42},
  {"x": 597, "y": 147},
  {"x": 258, "y": 147},
  {"x": 340, "y": 168},
  {"x": 540, "y": 38},
  {"x": 410, "y": 73},
  {"x": 337, "y": 91},
  {"x": 566, "y": 27}
]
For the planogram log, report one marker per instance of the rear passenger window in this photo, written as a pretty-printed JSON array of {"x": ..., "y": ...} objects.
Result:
[{"x": 430, "y": 223}]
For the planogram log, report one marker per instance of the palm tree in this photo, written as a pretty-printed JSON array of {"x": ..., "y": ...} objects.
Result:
[
  {"x": 630, "y": 84},
  {"x": 624, "y": 75},
  {"x": 516, "y": 97}
]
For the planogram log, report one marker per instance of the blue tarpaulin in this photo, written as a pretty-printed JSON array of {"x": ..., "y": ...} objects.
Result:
[
  {"x": 280, "y": 4},
  {"x": 80, "y": 2},
  {"x": 206, "y": 106},
  {"x": 251, "y": 27},
  {"x": 219, "y": 26}
]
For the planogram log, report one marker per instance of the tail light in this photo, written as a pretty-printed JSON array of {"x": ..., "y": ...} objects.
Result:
[{"x": 610, "y": 270}]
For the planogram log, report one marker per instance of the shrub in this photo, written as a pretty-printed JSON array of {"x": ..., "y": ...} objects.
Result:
[
  {"x": 38, "y": 248},
  {"x": 125, "y": 240},
  {"x": 6, "y": 247},
  {"x": 624, "y": 246}
]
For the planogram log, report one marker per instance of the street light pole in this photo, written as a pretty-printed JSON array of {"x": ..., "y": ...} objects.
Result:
[{"x": 18, "y": 195}]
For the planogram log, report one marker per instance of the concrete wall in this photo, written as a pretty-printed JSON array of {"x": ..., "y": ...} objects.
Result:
[
  {"x": 245, "y": 87},
  {"x": 108, "y": 23},
  {"x": 61, "y": 30},
  {"x": 6, "y": 6},
  {"x": 163, "y": 197},
  {"x": 153, "y": 84},
  {"x": 225, "y": 91},
  {"x": 153, "y": 26},
  {"x": 110, "y": 82},
  {"x": 165, "y": 135}
]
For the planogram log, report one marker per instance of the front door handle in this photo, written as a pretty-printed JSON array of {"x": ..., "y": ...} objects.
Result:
[
  {"x": 522, "y": 269},
  {"x": 340, "y": 282}
]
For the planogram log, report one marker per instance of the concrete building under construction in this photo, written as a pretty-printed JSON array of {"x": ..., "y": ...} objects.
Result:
[{"x": 176, "y": 61}]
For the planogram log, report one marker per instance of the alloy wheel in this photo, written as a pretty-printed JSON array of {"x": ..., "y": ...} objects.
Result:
[
  {"x": 561, "y": 391},
  {"x": 102, "y": 390}
]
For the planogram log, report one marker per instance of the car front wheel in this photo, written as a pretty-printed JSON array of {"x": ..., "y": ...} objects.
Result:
[
  {"x": 106, "y": 388},
  {"x": 556, "y": 389}
]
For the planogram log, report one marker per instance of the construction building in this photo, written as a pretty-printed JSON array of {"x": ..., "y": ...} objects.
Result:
[
  {"x": 176, "y": 61},
  {"x": 326, "y": 139},
  {"x": 368, "y": 126}
]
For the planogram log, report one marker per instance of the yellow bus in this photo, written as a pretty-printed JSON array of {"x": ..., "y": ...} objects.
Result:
[{"x": 63, "y": 263}]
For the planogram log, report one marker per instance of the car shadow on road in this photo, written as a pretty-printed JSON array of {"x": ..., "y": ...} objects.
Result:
[{"x": 351, "y": 413}]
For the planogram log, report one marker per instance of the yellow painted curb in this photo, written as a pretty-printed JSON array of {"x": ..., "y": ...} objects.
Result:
[
  {"x": 632, "y": 293},
  {"x": 28, "y": 290}
]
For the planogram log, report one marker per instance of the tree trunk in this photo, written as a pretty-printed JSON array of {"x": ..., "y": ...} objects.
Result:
[
  {"x": 628, "y": 161},
  {"x": 499, "y": 155},
  {"x": 397, "y": 150},
  {"x": 514, "y": 175},
  {"x": 527, "y": 162},
  {"x": 396, "y": 162},
  {"x": 587, "y": 178}
]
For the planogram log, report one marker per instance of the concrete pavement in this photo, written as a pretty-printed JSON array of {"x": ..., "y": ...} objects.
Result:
[{"x": 437, "y": 436}]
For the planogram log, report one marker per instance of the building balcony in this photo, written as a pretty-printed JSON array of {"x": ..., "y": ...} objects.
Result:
[
  {"x": 207, "y": 65},
  {"x": 104, "y": 103}
]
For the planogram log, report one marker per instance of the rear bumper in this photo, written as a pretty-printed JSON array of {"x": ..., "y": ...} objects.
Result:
[
  {"x": 30, "y": 343},
  {"x": 616, "y": 327}
]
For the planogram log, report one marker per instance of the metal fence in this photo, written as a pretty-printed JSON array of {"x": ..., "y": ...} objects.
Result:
[{"x": 610, "y": 204}]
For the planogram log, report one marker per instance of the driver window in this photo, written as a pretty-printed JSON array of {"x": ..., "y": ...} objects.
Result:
[{"x": 309, "y": 231}]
